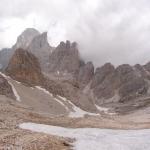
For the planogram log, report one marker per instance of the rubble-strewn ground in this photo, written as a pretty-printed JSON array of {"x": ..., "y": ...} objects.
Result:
[
  {"x": 13, "y": 113},
  {"x": 13, "y": 138}
]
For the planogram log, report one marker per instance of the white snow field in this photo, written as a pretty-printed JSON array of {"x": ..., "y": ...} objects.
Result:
[{"x": 97, "y": 139}]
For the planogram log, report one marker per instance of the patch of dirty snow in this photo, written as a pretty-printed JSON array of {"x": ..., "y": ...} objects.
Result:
[
  {"x": 17, "y": 82},
  {"x": 57, "y": 100},
  {"x": 78, "y": 112},
  {"x": 15, "y": 92},
  {"x": 60, "y": 102},
  {"x": 2, "y": 74},
  {"x": 97, "y": 139},
  {"x": 12, "y": 86},
  {"x": 105, "y": 110},
  {"x": 63, "y": 98},
  {"x": 44, "y": 90},
  {"x": 58, "y": 72}
]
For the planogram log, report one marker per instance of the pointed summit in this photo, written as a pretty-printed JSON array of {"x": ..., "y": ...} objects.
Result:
[
  {"x": 25, "y": 38},
  {"x": 41, "y": 49},
  {"x": 65, "y": 58}
]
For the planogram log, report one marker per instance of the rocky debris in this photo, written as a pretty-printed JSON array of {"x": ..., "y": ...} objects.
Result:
[
  {"x": 65, "y": 58},
  {"x": 18, "y": 139},
  {"x": 25, "y": 67},
  {"x": 41, "y": 49},
  {"x": 86, "y": 73},
  {"x": 5, "y": 88},
  {"x": 11, "y": 137},
  {"x": 71, "y": 92}
]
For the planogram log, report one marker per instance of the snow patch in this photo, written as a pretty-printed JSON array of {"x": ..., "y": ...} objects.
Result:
[
  {"x": 47, "y": 92},
  {"x": 104, "y": 109},
  {"x": 12, "y": 86},
  {"x": 44, "y": 90},
  {"x": 15, "y": 92},
  {"x": 17, "y": 82},
  {"x": 78, "y": 112},
  {"x": 58, "y": 72},
  {"x": 60, "y": 102},
  {"x": 63, "y": 98},
  {"x": 6, "y": 77},
  {"x": 97, "y": 139}
]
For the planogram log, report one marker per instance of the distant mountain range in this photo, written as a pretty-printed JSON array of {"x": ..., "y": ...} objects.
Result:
[{"x": 61, "y": 71}]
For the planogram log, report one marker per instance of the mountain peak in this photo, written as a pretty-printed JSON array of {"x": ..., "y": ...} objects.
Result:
[{"x": 25, "y": 38}]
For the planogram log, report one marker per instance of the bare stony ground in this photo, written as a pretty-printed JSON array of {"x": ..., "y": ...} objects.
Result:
[
  {"x": 13, "y": 138},
  {"x": 13, "y": 113},
  {"x": 38, "y": 107}
]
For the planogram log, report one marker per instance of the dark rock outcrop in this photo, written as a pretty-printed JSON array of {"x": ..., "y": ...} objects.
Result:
[{"x": 24, "y": 67}]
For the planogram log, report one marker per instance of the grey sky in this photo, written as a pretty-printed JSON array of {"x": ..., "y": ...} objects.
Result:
[{"x": 117, "y": 31}]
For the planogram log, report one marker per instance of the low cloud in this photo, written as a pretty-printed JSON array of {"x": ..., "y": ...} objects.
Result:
[{"x": 107, "y": 31}]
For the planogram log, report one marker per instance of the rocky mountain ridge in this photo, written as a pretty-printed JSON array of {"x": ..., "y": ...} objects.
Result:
[
  {"x": 33, "y": 41},
  {"x": 62, "y": 71}
]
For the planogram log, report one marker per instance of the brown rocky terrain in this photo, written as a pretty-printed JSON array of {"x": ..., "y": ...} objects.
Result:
[{"x": 25, "y": 67}]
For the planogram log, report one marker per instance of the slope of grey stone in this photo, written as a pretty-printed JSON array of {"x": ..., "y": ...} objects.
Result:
[{"x": 41, "y": 49}]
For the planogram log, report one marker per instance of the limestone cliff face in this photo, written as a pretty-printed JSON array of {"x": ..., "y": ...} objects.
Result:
[
  {"x": 25, "y": 67},
  {"x": 126, "y": 81},
  {"x": 86, "y": 73},
  {"x": 41, "y": 49},
  {"x": 5, "y": 88},
  {"x": 65, "y": 58},
  {"x": 66, "y": 74}
]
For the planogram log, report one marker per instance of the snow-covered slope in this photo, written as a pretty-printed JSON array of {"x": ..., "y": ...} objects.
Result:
[{"x": 97, "y": 139}]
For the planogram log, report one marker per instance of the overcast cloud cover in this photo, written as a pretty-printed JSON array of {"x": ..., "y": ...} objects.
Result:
[{"x": 116, "y": 31}]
